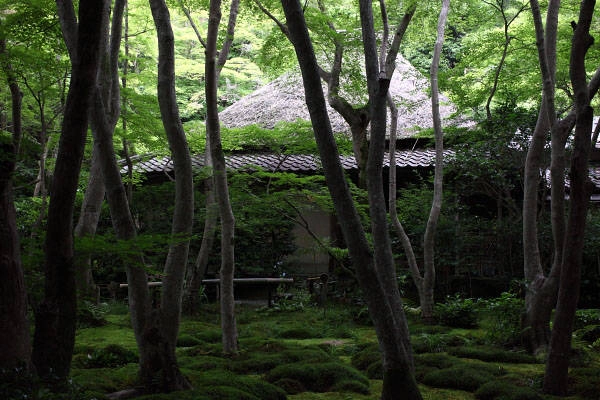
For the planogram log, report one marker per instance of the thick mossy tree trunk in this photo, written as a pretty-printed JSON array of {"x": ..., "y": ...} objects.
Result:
[
  {"x": 371, "y": 265},
  {"x": 15, "y": 344},
  {"x": 56, "y": 316}
]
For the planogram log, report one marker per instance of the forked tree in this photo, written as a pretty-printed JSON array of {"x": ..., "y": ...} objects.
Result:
[{"x": 373, "y": 265}]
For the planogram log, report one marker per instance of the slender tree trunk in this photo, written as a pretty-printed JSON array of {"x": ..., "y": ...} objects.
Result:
[
  {"x": 557, "y": 365},
  {"x": 197, "y": 272},
  {"x": 15, "y": 344},
  {"x": 55, "y": 319},
  {"x": 89, "y": 216},
  {"x": 398, "y": 376},
  {"x": 228, "y": 323}
]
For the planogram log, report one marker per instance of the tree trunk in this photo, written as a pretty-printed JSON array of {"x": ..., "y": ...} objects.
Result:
[
  {"x": 198, "y": 271},
  {"x": 397, "y": 365},
  {"x": 228, "y": 323},
  {"x": 540, "y": 294},
  {"x": 557, "y": 365},
  {"x": 15, "y": 345},
  {"x": 55, "y": 319},
  {"x": 89, "y": 216}
]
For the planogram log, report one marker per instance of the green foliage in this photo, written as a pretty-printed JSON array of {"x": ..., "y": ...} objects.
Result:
[
  {"x": 457, "y": 312},
  {"x": 320, "y": 377},
  {"x": 90, "y": 314},
  {"x": 502, "y": 318},
  {"x": 586, "y": 317},
  {"x": 500, "y": 390}
]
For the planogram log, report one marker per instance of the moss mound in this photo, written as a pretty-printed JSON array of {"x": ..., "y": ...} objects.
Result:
[
  {"x": 257, "y": 362},
  {"x": 321, "y": 377},
  {"x": 501, "y": 390},
  {"x": 463, "y": 377},
  {"x": 492, "y": 354}
]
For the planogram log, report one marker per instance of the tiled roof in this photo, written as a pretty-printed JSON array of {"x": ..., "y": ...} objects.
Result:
[{"x": 286, "y": 163}]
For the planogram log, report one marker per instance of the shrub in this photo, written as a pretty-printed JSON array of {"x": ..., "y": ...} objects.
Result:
[
  {"x": 586, "y": 317},
  {"x": 503, "y": 319},
  {"x": 590, "y": 333},
  {"x": 90, "y": 315},
  {"x": 110, "y": 356},
  {"x": 463, "y": 377},
  {"x": 436, "y": 343},
  {"x": 317, "y": 377},
  {"x": 500, "y": 390},
  {"x": 585, "y": 382},
  {"x": 457, "y": 312},
  {"x": 491, "y": 354}
]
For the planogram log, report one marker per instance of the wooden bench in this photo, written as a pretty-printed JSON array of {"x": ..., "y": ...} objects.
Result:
[{"x": 269, "y": 283}]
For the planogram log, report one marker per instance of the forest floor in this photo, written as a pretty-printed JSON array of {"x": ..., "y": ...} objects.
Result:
[{"x": 310, "y": 353}]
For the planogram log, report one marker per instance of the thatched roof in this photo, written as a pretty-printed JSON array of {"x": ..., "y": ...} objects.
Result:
[{"x": 283, "y": 100}]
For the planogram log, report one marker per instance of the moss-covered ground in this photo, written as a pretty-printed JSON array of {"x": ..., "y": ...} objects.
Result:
[{"x": 313, "y": 354}]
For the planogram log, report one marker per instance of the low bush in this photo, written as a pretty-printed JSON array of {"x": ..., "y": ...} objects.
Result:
[
  {"x": 590, "y": 333},
  {"x": 457, "y": 312},
  {"x": 585, "y": 382},
  {"x": 317, "y": 377},
  {"x": 586, "y": 317},
  {"x": 110, "y": 356},
  {"x": 436, "y": 343},
  {"x": 91, "y": 315},
  {"x": 492, "y": 354},
  {"x": 501, "y": 390},
  {"x": 501, "y": 317},
  {"x": 463, "y": 377},
  {"x": 187, "y": 341}
]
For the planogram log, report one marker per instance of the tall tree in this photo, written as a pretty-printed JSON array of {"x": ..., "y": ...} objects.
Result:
[
  {"x": 541, "y": 290},
  {"x": 55, "y": 318},
  {"x": 15, "y": 344},
  {"x": 424, "y": 281},
  {"x": 373, "y": 266},
  {"x": 228, "y": 323},
  {"x": 197, "y": 271},
  {"x": 557, "y": 365}
]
